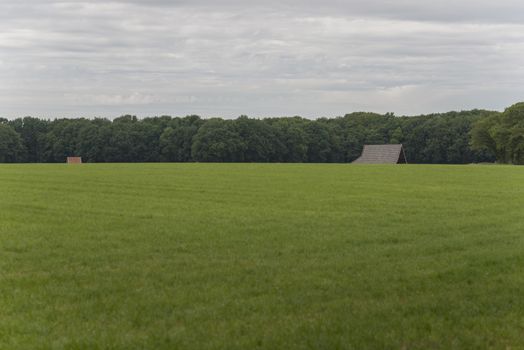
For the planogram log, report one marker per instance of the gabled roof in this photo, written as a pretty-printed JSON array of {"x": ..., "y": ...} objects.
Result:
[{"x": 382, "y": 154}]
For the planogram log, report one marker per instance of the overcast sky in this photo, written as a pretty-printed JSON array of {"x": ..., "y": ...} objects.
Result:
[{"x": 261, "y": 58}]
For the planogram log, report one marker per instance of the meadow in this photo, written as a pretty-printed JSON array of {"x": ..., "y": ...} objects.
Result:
[{"x": 261, "y": 256}]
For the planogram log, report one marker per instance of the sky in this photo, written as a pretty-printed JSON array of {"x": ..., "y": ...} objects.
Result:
[{"x": 259, "y": 58}]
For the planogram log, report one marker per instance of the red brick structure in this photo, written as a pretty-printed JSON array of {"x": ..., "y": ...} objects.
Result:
[{"x": 74, "y": 160}]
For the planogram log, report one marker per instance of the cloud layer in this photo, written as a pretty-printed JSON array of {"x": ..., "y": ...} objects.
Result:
[{"x": 271, "y": 58}]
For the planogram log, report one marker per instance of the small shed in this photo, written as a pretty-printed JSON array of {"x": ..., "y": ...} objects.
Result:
[
  {"x": 74, "y": 160},
  {"x": 382, "y": 154}
]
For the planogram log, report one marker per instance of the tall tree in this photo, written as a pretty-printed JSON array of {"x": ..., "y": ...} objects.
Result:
[
  {"x": 218, "y": 141},
  {"x": 11, "y": 147},
  {"x": 502, "y": 134},
  {"x": 177, "y": 138}
]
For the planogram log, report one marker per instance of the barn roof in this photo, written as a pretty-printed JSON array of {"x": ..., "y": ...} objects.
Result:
[{"x": 382, "y": 154}]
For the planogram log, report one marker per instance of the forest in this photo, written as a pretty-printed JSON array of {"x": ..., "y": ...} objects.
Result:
[{"x": 446, "y": 138}]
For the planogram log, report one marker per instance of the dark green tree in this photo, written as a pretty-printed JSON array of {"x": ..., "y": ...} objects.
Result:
[
  {"x": 11, "y": 147},
  {"x": 218, "y": 141},
  {"x": 501, "y": 134},
  {"x": 176, "y": 139}
]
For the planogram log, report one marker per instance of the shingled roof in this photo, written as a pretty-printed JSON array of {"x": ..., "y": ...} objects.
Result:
[{"x": 382, "y": 154}]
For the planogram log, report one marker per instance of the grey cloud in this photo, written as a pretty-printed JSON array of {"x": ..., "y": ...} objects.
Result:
[
  {"x": 272, "y": 58},
  {"x": 444, "y": 10}
]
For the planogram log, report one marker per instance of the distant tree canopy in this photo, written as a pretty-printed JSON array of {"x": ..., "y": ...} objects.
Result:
[
  {"x": 11, "y": 147},
  {"x": 453, "y": 138},
  {"x": 501, "y": 134}
]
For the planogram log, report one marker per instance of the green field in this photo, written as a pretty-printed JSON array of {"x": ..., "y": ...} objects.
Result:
[{"x": 272, "y": 256}]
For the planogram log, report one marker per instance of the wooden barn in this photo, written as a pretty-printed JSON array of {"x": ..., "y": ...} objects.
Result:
[
  {"x": 382, "y": 154},
  {"x": 74, "y": 160}
]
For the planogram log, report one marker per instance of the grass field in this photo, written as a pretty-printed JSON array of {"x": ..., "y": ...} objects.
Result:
[{"x": 246, "y": 256}]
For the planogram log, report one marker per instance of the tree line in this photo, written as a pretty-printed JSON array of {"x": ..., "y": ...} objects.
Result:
[
  {"x": 451, "y": 138},
  {"x": 501, "y": 134}
]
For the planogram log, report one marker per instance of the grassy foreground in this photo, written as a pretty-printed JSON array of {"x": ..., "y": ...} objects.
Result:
[{"x": 245, "y": 256}]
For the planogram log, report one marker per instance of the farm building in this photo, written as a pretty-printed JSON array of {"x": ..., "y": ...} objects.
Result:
[
  {"x": 74, "y": 160},
  {"x": 382, "y": 154}
]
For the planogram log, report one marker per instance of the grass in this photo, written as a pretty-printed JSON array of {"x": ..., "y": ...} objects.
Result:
[{"x": 247, "y": 256}]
